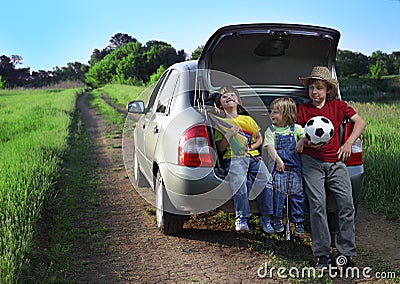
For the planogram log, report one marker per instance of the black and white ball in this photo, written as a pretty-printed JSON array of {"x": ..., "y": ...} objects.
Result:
[{"x": 318, "y": 130}]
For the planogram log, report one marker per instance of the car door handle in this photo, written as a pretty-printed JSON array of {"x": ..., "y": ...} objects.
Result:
[{"x": 155, "y": 129}]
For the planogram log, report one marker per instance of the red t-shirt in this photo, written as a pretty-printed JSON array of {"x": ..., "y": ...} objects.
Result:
[{"x": 336, "y": 110}]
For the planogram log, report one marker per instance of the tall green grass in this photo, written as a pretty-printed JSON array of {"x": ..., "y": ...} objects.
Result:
[
  {"x": 363, "y": 90},
  {"x": 381, "y": 191},
  {"x": 122, "y": 94},
  {"x": 112, "y": 116},
  {"x": 34, "y": 128}
]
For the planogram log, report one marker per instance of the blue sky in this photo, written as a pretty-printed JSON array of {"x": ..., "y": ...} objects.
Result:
[{"x": 50, "y": 33}]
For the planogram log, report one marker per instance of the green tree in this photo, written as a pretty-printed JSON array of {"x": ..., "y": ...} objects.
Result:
[
  {"x": 132, "y": 63},
  {"x": 350, "y": 64},
  {"x": 74, "y": 71},
  {"x": 119, "y": 40},
  {"x": 41, "y": 78},
  {"x": 98, "y": 55},
  {"x": 378, "y": 70},
  {"x": 13, "y": 77},
  {"x": 160, "y": 53},
  {"x": 116, "y": 41},
  {"x": 128, "y": 70},
  {"x": 16, "y": 60},
  {"x": 196, "y": 53},
  {"x": 154, "y": 77},
  {"x": 383, "y": 58},
  {"x": 106, "y": 69},
  {"x": 394, "y": 60},
  {"x": 2, "y": 83}
]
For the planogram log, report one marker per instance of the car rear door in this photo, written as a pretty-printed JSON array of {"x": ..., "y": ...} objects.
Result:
[
  {"x": 268, "y": 54},
  {"x": 158, "y": 117}
]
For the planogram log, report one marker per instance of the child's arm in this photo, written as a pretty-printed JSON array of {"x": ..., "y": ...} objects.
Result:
[
  {"x": 304, "y": 143},
  {"x": 257, "y": 143},
  {"x": 300, "y": 145},
  {"x": 280, "y": 166}
]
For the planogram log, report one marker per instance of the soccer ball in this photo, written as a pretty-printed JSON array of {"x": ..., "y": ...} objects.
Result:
[{"x": 318, "y": 130}]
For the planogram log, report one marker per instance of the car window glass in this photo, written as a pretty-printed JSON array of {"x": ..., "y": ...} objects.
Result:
[
  {"x": 175, "y": 96},
  {"x": 155, "y": 92},
  {"x": 166, "y": 92}
]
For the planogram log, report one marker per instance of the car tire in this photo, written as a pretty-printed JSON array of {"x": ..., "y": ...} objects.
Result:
[
  {"x": 168, "y": 223},
  {"x": 139, "y": 179}
]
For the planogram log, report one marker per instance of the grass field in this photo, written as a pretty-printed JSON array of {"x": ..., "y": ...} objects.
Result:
[
  {"x": 122, "y": 94},
  {"x": 381, "y": 191},
  {"x": 34, "y": 130}
]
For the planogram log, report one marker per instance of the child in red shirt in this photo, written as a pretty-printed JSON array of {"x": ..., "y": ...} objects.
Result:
[{"x": 323, "y": 167}]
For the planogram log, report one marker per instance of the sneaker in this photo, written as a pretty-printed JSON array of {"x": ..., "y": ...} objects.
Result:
[
  {"x": 342, "y": 262},
  {"x": 278, "y": 226},
  {"x": 241, "y": 225},
  {"x": 299, "y": 229},
  {"x": 323, "y": 262},
  {"x": 266, "y": 226}
]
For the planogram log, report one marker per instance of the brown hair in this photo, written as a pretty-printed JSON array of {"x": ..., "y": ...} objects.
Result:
[
  {"x": 288, "y": 108},
  {"x": 322, "y": 73},
  {"x": 331, "y": 91},
  {"x": 229, "y": 89}
]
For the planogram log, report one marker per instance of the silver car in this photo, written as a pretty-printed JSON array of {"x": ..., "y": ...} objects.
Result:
[{"x": 174, "y": 151}]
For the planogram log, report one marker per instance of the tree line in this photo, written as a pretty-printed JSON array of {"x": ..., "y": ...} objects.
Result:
[
  {"x": 357, "y": 65},
  {"x": 127, "y": 61}
]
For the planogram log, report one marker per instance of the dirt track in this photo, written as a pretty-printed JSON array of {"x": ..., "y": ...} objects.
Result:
[{"x": 135, "y": 252}]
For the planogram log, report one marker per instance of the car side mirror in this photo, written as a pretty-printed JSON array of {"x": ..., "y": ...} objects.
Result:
[{"x": 136, "y": 106}]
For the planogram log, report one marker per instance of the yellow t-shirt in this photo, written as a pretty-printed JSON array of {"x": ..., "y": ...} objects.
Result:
[{"x": 249, "y": 127}]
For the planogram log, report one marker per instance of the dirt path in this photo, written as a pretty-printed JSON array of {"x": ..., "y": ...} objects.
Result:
[
  {"x": 380, "y": 236},
  {"x": 133, "y": 251}
]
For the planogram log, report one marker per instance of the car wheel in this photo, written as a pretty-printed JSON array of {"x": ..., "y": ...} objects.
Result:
[
  {"x": 138, "y": 178},
  {"x": 167, "y": 222}
]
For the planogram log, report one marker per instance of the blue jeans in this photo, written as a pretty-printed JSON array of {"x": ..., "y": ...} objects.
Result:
[
  {"x": 245, "y": 173},
  {"x": 295, "y": 195}
]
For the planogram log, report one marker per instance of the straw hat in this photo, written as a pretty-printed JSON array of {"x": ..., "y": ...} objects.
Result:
[{"x": 322, "y": 73}]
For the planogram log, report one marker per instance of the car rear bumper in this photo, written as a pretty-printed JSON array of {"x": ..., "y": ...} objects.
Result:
[
  {"x": 197, "y": 190},
  {"x": 194, "y": 190}
]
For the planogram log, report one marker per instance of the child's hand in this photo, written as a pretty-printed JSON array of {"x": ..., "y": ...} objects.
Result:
[
  {"x": 280, "y": 166},
  {"x": 344, "y": 152},
  {"x": 232, "y": 132},
  {"x": 300, "y": 145},
  {"x": 306, "y": 143}
]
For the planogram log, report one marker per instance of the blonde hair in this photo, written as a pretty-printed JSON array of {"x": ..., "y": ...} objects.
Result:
[{"x": 288, "y": 108}]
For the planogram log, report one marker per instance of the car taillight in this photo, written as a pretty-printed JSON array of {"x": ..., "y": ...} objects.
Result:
[
  {"x": 356, "y": 157},
  {"x": 194, "y": 148}
]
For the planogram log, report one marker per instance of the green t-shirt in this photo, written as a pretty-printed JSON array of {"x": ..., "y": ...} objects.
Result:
[
  {"x": 269, "y": 135},
  {"x": 249, "y": 127}
]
